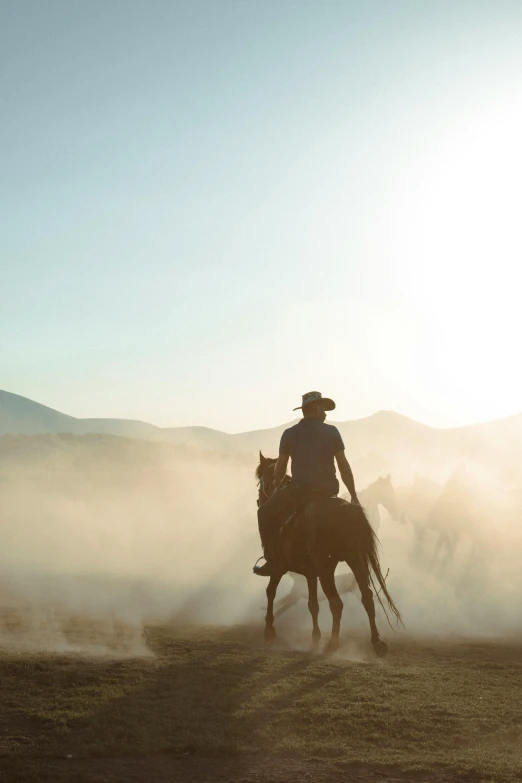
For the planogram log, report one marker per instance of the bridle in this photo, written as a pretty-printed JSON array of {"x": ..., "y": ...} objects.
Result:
[{"x": 263, "y": 493}]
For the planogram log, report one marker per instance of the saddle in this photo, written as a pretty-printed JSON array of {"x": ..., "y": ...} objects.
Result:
[
  {"x": 288, "y": 521},
  {"x": 285, "y": 526}
]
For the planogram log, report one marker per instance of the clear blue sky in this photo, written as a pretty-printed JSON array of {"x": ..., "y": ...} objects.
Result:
[{"x": 209, "y": 208}]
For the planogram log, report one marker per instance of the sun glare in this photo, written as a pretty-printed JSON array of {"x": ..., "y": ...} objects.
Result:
[{"x": 455, "y": 238}]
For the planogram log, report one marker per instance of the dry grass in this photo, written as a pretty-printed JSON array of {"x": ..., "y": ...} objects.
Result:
[{"x": 451, "y": 709}]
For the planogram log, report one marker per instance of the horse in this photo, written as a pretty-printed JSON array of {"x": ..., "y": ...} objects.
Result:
[
  {"x": 327, "y": 532},
  {"x": 380, "y": 493},
  {"x": 452, "y": 512},
  {"x": 460, "y": 512},
  {"x": 415, "y": 503},
  {"x": 344, "y": 583}
]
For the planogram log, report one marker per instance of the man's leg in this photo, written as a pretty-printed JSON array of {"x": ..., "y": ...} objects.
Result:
[{"x": 269, "y": 516}]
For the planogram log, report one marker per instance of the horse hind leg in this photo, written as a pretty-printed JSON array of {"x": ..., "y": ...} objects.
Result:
[
  {"x": 326, "y": 577},
  {"x": 361, "y": 573},
  {"x": 313, "y": 606},
  {"x": 285, "y": 604}
]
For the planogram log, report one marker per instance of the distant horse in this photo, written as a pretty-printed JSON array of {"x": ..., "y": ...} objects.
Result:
[
  {"x": 460, "y": 512},
  {"x": 344, "y": 583},
  {"x": 380, "y": 493},
  {"x": 451, "y": 512},
  {"x": 327, "y": 532},
  {"x": 415, "y": 503}
]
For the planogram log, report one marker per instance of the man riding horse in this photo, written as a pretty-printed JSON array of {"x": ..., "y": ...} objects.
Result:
[{"x": 313, "y": 447}]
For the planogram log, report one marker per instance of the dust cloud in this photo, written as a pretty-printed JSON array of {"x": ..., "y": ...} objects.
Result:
[{"x": 102, "y": 535}]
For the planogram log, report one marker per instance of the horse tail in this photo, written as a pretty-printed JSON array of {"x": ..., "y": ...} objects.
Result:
[{"x": 367, "y": 544}]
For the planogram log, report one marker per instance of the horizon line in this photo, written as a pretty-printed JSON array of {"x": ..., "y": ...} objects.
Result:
[{"x": 262, "y": 429}]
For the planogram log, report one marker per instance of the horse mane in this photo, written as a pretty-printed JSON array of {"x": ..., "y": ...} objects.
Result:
[
  {"x": 378, "y": 480},
  {"x": 264, "y": 462}
]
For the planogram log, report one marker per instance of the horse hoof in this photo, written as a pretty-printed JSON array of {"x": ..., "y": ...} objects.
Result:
[
  {"x": 270, "y": 634},
  {"x": 331, "y": 647},
  {"x": 381, "y": 648}
]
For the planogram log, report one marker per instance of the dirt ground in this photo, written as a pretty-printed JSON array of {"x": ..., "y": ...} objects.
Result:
[
  {"x": 217, "y": 704},
  {"x": 248, "y": 769}
]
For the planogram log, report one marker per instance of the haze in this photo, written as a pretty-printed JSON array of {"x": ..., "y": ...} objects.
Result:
[
  {"x": 210, "y": 208},
  {"x": 110, "y": 533}
]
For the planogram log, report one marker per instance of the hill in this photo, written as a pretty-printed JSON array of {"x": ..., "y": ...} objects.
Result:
[
  {"x": 385, "y": 440},
  {"x": 21, "y": 416}
]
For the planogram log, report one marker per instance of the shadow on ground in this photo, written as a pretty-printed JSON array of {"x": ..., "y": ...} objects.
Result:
[{"x": 214, "y": 704}]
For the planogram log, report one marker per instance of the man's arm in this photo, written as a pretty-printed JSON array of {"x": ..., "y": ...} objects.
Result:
[
  {"x": 280, "y": 469},
  {"x": 346, "y": 474}
]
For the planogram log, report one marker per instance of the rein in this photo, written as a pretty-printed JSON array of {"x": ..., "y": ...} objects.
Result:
[
  {"x": 263, "y": 494},
  {"x": 262, "y": 491}
]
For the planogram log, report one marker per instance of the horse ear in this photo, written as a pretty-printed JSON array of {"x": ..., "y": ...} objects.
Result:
[
  {"x": 388, "y": 477},
  {"x": 261, "y": 458}
]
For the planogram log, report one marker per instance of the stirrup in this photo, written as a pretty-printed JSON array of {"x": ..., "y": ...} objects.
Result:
[{"x": 258, "y": 570}]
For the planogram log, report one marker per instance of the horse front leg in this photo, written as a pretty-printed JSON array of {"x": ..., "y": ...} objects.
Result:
[
  {"x": 419, "y": 534},
  {"x": 289, "y": 600},
  {"x": 448, "y": 547},
  {"x": 271, "y": 591},
  {"x": 436, "y": 549},
  {"x": 313, "y": 606},
  {"x": 326, "y": 577},
  {"x": 362, "y": 576}
]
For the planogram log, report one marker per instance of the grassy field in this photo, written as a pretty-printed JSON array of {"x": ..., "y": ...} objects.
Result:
[{"x": 216, "y": 704}]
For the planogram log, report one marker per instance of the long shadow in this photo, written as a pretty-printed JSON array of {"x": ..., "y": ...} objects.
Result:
[{"x": 199, "y": 699}]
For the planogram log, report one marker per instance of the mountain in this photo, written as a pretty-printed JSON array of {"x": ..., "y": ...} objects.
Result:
[
  {"x": 21, "y": 416},
  {"x": 385, "y": 438},
  {"x": 18, "y": 415}
]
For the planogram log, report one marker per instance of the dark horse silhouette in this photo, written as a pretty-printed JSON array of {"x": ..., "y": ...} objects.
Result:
[
  {"x": 324, "y": 534},
  {"x": 344, "y": 583}
]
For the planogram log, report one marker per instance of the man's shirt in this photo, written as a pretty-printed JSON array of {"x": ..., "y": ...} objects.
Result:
[{"x": 312, "y": 444}]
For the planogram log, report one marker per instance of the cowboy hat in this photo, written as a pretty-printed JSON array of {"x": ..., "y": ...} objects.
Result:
[{"x": 315, "y": 396}]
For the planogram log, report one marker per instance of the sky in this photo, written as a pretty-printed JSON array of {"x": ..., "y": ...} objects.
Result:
[{"x": 209, "y": 208}]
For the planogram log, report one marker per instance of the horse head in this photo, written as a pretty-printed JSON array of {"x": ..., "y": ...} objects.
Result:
[
  {"x": 265, "y": 478},
  {"x": 385, "y": 496},
  {"x": 265, "y": 474}
]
